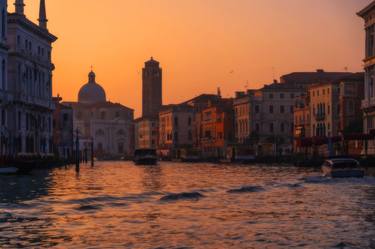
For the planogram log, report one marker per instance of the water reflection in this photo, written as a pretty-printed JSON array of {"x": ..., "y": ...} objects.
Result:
[
  {"x": 118, "y": 204},
  {"x": 17, "y": 189}
]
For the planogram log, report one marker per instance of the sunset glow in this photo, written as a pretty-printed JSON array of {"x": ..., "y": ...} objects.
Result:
[{"x": 201, "y": 45}]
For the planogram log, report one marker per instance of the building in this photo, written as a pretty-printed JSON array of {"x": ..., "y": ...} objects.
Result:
[
  {"x": 335, "y": 115},
  {"x": 215, "y": 129},
  {"x": 30, "y": 82},
  {"x": 5, "y": 96},
  {"x": 264, "y": 118},
  {"x": 62, "y": 130},
  {"x": 108, "y": 125},
  {"x": 176, "y": 126},
  {"x": 302, "y": 119},
  {"x": 306, "y": 79},
  {"x": 368, "y": 104},
  {"x": 151, "y": 89},
  {"x": 146, "y": 133}
]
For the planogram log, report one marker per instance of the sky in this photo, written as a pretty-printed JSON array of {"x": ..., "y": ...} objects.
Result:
[{"x": 201, "y": 44}]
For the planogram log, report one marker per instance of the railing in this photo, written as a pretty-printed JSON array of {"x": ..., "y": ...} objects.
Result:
[{"x": 320, "y": 116}]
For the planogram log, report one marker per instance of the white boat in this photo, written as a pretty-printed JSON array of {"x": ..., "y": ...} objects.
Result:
[{"x": 342, "y": 168}]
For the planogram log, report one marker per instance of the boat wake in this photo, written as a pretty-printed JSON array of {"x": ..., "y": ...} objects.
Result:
[{"x": 326, "y": 180}]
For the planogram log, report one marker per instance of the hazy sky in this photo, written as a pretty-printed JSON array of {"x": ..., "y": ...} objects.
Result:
[{"x": 201, "y": 44}]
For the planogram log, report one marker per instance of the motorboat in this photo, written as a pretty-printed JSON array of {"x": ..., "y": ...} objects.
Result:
[
  {"x": 342, "y": 168},
  {"x": 145, "y": 157}
]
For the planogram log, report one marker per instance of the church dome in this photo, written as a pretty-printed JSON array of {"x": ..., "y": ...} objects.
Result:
[{"x": 91, "y": 92}]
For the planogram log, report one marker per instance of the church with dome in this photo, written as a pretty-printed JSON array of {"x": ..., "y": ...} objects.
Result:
[{"x": 109, "y": 125}]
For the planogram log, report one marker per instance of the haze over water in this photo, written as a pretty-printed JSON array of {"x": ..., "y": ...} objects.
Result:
[{"x": 119, "y": 205}]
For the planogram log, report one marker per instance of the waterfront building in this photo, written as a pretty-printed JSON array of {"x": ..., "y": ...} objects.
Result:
[
  {"x": 306, "y": 79},
  {"x": 336, "y": 116},
  {"x": 30, "y": 82},
  {"x": 264, "y": 118},
  {"x": 215, "y": 129},
  {"x": 146, "y": 133},
  {"x": 302, "y": 121},
  {"x": 62, "y": 130},
  {"x": 176, "y": 126},
  {"x": 368, "y": 104},
  {"x": 5, "y": 96},
  {"x": 109, "y": 126},
  {"x": 152, "y": 78}
]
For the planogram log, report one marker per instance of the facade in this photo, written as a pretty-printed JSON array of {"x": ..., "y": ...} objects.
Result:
[
  {"x": 215, "y": 129},
  {"x": 176, "y": 127},
  {"x": 335, "y": 115},
  {"x": 109, "y": 126},
  {"x": 146, "y": 133},
  {"x": 324, "y": 107},
  {"x": 264, "y": 118},
  {"x": 152, "y": 78},
  {"x": 302, "y": 119},
  {"x": 30, "y": 73},
  {"x": 5, "y": 96},
  {"x": 368, "y": 104},
  {"x": 62, "y": 130},
  {"x": 306, "y": 79}
]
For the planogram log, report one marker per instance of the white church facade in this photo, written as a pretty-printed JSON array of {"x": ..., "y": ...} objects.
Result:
[{"x": 109, "y": 126}]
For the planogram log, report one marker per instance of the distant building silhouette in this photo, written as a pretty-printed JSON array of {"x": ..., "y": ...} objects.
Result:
[{"x": 151, "y": 89}]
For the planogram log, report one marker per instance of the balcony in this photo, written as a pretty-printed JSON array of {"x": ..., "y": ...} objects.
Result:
[
  {"x": 368, "y": 103},
  {"x": 320, "y": 116}
]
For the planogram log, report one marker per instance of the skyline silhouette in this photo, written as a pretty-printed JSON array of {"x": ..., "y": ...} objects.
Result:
[{"x": 200, "y": 45}]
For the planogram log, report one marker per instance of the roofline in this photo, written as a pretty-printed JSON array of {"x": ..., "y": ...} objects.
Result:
[{"x": 368, "y": 8}]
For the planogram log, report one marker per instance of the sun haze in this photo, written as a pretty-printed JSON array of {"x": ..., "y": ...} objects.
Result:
[{"x": 201, "y": 45}]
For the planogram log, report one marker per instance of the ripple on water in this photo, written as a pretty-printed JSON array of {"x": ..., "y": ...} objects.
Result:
[
  {"x": 246, "y": 189},
  {"x": 182, "y": 196}
]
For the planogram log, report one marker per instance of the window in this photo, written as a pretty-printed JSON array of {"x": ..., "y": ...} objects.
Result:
[
  {"x": 271, "y": 96},
  {"x": 65, "y": 117},
  {"x": 176, "y": 137},
  {"x": 3, "y": 21},
  {"x": 282, "y": 109},
  {"x": 189, "y": 121},
  {"x": 257, "y": 127},
  {"x": 3, "y": 117},
  {"x": 103, "y": 115},
  {"x": 3, "y": 75},
  {"x": 207, "y": 134},
  {"x": 291, "y": 109},
  {"x": 79, "y": 115},
  {"x": 271, "y": 108},
  {"x": 271, "y": 128},
  {"x": 257, "y": 109},
  {"x": 370, "y": 41},
  {"x": 117, "y": 114},
  {"x": 282, "y": 127},
  {"x": 176, "y": 121},
  {"x": 190, "y": 135},
  {"x": 281, "y": 95},
  {"x": 292, "y": 95},
  {"x": 120, "y": 148}
]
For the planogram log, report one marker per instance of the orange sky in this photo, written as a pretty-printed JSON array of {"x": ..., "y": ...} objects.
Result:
[{"x": 198, "y": 42}]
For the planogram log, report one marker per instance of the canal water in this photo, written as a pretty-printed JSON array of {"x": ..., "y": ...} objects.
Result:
[{"x": 173, "y": 205}]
